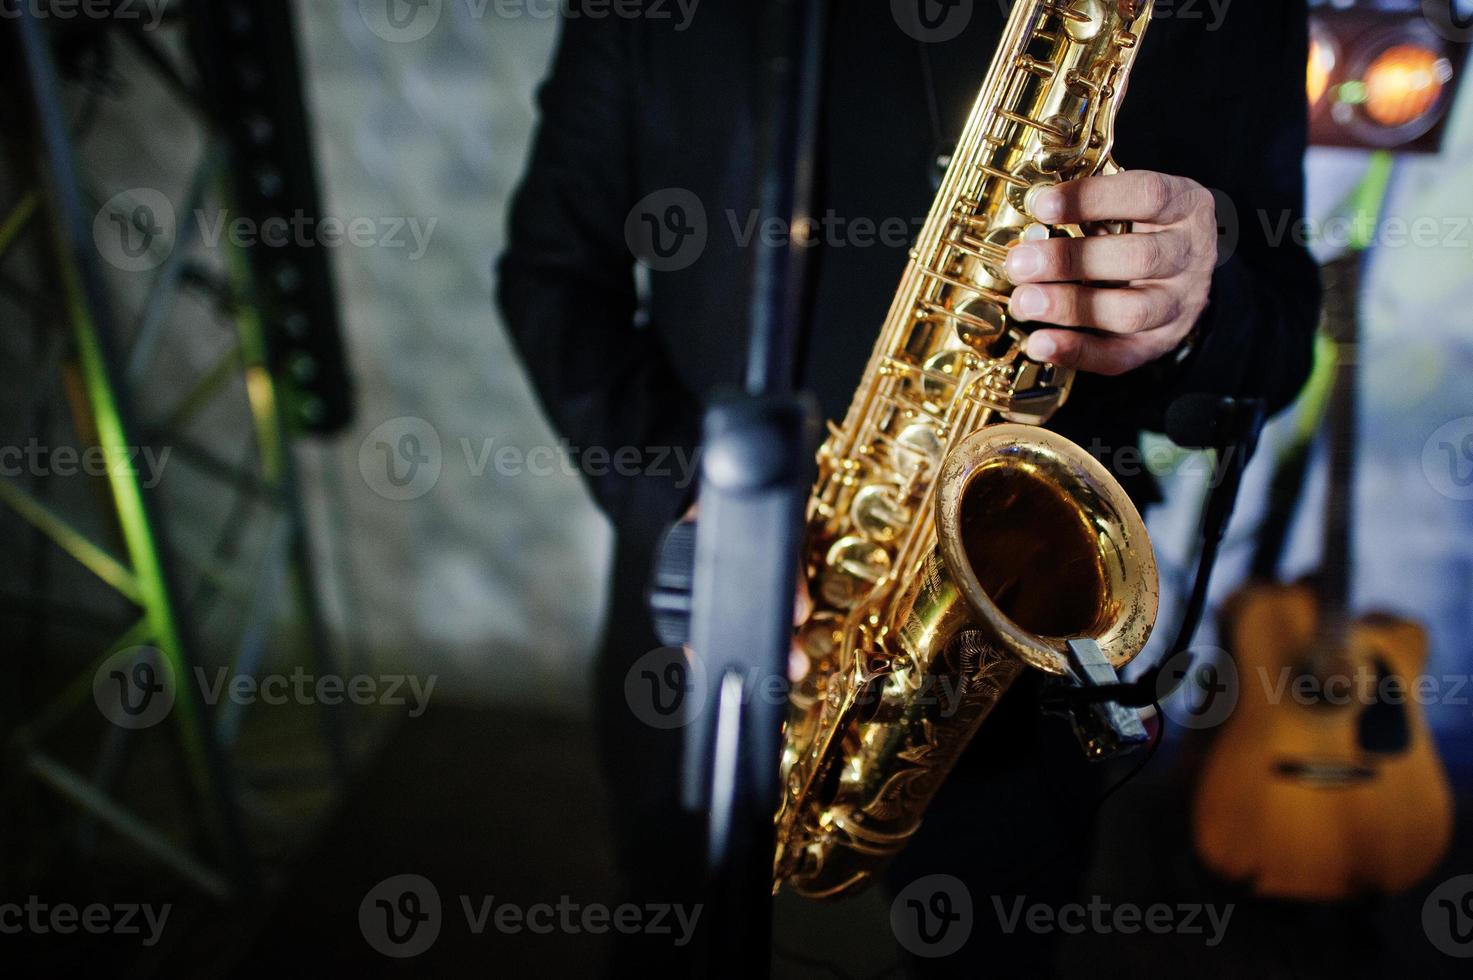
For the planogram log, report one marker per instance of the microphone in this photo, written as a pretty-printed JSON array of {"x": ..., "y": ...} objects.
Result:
[
  {"x": 1206, "y": 421},
  {"x": 1231, "y": 427}
]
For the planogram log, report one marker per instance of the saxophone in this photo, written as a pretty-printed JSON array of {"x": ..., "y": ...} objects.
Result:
[{"x": 951, "y": 541}]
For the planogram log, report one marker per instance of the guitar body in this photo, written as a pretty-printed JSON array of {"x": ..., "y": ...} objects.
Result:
[{"x": 1291, "y": 801}]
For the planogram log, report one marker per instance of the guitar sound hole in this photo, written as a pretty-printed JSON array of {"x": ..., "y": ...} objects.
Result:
[{"x": 1383, "y": 727}]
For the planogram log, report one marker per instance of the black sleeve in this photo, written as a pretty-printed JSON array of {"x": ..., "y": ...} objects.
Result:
[
  {"x": 567, "y": 292},
  {"x": 1257, "y": 335}
]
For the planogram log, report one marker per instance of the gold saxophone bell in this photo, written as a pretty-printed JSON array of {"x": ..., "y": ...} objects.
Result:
[
  {"x": 1041, "y": 545},
  {"x": 1037, "y": 544}
]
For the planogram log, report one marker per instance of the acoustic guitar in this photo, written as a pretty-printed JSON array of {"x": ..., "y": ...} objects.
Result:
[{"x": 1324, "y": 783}]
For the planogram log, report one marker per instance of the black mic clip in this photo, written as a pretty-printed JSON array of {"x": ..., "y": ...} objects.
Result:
[
  {"x": 1104, "y": 726},
  {"x": 1228, "y": 425}
]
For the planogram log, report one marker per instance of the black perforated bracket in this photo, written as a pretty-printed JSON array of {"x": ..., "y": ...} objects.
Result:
[{"x": 246, "y": 51}]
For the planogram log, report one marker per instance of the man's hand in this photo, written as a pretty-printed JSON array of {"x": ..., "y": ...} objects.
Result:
[{"x": 1166, "y": 261}]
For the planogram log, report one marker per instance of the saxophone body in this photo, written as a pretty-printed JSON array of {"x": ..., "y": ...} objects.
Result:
[{"x": 952, "y": 542}]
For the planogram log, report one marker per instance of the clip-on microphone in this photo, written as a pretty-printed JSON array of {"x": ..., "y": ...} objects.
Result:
[{"x": 1230, "y": 427}]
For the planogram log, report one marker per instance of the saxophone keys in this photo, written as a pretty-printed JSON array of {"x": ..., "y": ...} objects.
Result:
[
  {"x": 1060, "y": 145},
  {"x": 1083, "y": 19},
  {"x": 980, "y": 323},
  {"x": 853, "y": 566},
  {"x": 1000, "y": 239},
  {"x": 1035, "y": 232},
  {"x": 917, "y": 444},
  {"x": 877, "y": 513},
  {"x": 819, "y": 637},
  {"x": 1106, "y": 228},
  {"x": 940, "y": 373},
  {"x": 976, "y": 223},
  {"x": 1037, "y": 67}
]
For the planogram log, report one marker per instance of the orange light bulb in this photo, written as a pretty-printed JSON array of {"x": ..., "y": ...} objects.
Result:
[{"x": 1404, "y": 83}]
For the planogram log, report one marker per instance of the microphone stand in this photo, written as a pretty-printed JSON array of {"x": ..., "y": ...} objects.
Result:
[{"x": 758, "y": 448}]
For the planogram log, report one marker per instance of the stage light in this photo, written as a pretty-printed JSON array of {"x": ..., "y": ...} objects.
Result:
[
  {"x": 1322, "y": 58},
  {"x": 1379, "y": 76},
  {"x": 1396, "y": 88},
  {"x": 1404, "y": 83}
]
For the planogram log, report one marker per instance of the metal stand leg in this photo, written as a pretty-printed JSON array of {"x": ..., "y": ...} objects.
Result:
[
  {"x": 147, "y": 575},
  {"x": 137, "y": 563}
]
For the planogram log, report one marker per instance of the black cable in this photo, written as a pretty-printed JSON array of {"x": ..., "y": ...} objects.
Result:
[
  {"x": 1213, "y": 532},
  {"x": 1145, "y": 690},
  {"x": 1231, "y": 427}
]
